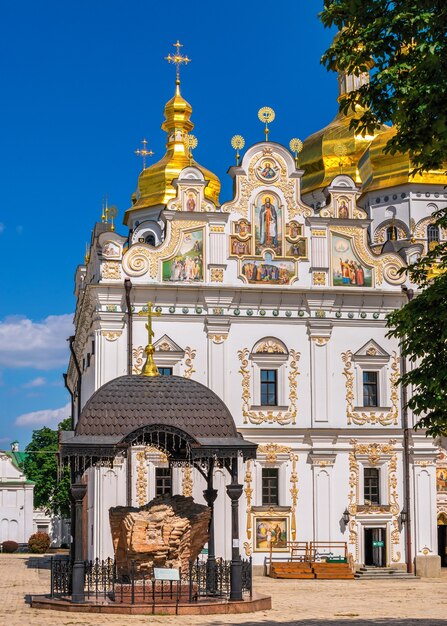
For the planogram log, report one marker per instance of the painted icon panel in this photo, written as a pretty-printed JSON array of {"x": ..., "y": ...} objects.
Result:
[
  {"x": 441, "y": 479},
  {"x": 273, "y": 272},
  {"x": 347, "y": 270},
  {"x": 239, "y": 247},
  {"x": 268, "y": 224},
  {"x": 297, "y": 248},
  {"x": 271, "y": 530},
  {"x": 187, "y": 264}
]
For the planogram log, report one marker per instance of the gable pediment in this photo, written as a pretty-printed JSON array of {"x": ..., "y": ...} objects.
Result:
[{"x": 371, "y": 350}]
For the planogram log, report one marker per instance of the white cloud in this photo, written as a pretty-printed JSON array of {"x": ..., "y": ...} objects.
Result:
[
  {"x": 36, "y": 382},
  {"x": 39, "y": 345},
  {"x": 46, "y": 417},
  {"x": 2, "y": 227}
]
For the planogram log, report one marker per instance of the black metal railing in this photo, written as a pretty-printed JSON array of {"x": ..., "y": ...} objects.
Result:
[{"x": 203, "y": 579}]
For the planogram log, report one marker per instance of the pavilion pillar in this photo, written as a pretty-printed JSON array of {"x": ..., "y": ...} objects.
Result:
[
  {"x": 78, "y": 491},
  {"x": 210, "y": 495},
  {"x": 234, "y": 491}
]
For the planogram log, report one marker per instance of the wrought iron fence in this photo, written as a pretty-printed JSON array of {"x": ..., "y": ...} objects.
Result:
[{"x": 203, "y": 578}]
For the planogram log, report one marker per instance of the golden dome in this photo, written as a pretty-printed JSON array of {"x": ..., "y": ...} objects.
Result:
[
  {"x": 331, "y": 149},
  {"x": 379, "y": 170},
  {"x": 155, "y": 182}
]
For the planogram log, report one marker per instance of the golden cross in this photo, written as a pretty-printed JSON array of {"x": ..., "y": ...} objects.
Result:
[
  {"x": 144, "y": 152},
  {"x": 178, "y": 59},
  {"x": 149, "y": 369},
  {"x": 150, "y": 313}
]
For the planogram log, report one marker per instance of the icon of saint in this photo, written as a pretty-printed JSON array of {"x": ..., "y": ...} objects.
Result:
[
  {"x": 190, "y": 203},
  {"x": 267, "y": 171},
  {"x": 268, "y": 224},
  {"x": 343, "y": 213}
]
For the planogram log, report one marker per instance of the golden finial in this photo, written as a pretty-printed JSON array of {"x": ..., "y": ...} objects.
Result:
[
  {"x": 144, "y": 152},
  {"x": 296, "y": 145},
  {"x": 266, "y": 116},
  {"x": 87, "y": 254},
  {"x": 112, "y": 212},
  {"x": 237, "y": 143},
  {"x": 149, "y": 369},
  {"x": 341, "y": 151},
  {"x": 178, "y": 60},
  {"x": 103, "y": 215},
  {"x": 191, "y": 143}
]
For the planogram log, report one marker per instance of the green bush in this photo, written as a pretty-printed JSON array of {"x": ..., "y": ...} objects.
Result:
[
  {"x": 10, "y": 546},
  {"x": 39, "y": 543}
]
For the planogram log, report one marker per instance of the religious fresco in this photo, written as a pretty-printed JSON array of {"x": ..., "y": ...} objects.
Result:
[
  {"x": 293, "y": 230},
  {"x": 342, "y": 209},
  {"x": 297, "y": 248},
  {"x": 271, "y": 532},
  {"x": 268, "y": 270},
  {"x": 347, "y": 270},
  {"x": 187, "y": 264},
  {"x": 441, "y": 479},
  {"x": 239, "y": 247},
  {"x": 268, "y": 224},
  {"x": 268, "y": 170},
  {"x": 190, "y": 201},
  {"x": 242, "y": 228}
]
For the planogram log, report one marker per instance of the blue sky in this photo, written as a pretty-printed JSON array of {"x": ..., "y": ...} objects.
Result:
[{"x": 83, "y": 82}]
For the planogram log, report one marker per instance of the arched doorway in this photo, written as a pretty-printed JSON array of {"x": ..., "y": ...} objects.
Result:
[{"x": 442, "y": 538}]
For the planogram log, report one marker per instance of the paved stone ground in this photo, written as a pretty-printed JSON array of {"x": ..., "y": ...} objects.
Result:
[{"x": 304, "y": 603}]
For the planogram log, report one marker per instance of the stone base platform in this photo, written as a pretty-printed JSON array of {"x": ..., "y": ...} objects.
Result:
[{"x": 257, "y": 602}]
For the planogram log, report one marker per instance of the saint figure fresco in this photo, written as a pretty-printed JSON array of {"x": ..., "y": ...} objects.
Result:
[
  {"x": 347, "y": 269},
  {"x": 268, "y": 216},
  {"x": 191, "y": 202},
  {"x": 187, "y": 265}
]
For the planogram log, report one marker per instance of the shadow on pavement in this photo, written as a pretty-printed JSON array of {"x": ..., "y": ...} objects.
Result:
[{"x": 342, "y": 621}]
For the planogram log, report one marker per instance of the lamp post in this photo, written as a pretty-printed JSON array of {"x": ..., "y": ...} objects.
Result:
[{"x": 346, "y": 517}]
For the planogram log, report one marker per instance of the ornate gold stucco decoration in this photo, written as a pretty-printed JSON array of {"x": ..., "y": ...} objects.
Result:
[
  {"x": 142, "y": 482},
  {"x": 111, "y": 270},
  {"x": 374, "y": 451},
  {"x": 386, "y": 266},
  {"x": 269, "y": 416},
  {"x": 371, "y": 417},
  {"x": 271, "y": 450},
  {"x": 111, "y": 335},
  {"x": 217, "y": 275},
  {"x": 319, "y": 278},
  {"x": 248, "y": 548},
  {"x": 270, "y": 347},
  {"x": 217, "y": 338},
  {"x": 190, "y": 355},
  {"x": 138, "y": 358},
  {"x": 187, "y": 481},
  {"x": 293, "y": 493},
  {"x": 394, "y": 505},
  {"x": 248, "y": 494},
  {"x": 380, "y": 234}
]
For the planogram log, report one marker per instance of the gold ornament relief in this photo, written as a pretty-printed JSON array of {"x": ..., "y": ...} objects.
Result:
[
  {"x": 293, "y": 493},
  {"x": 319, "y": 278},
  {"x": 248, "y": 494},
  {"x": 370, "y": 417},
  {"x": 111, "y": 270},
  {"x": 141, "y": 478},
  {"x": 111, "y": 335},
  {"x": 190, "y": 355},
  {"x": 217, "y": 338},
  {"x": 270, "y": 347},
  {"x": 217, "y": 275},
  {"x": 187, "y": 481},
  {"x": 271, "y": 450},
  {"x": 138, "y": 359},
  {"x": 270, "y": 416}
]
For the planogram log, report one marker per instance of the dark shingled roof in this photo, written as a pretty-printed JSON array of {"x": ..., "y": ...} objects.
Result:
[{"x": 127, "y": 403}]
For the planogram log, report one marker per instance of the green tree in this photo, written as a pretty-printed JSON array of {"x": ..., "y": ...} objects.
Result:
[
  {"x": 407, "y": 43},
  {"x": 52, "y": 485}
]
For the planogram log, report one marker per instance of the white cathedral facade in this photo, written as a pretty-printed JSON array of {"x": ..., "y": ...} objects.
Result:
[{"x": 277, "y": 301}]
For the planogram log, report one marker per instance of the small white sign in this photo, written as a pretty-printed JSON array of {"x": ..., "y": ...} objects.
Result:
[
  {"x": 235, "y": 543},
  {"x": 166, "y": 573}
]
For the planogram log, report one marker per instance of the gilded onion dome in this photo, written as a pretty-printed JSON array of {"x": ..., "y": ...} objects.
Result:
[
  {"x": 380, "y": 170},
  {"x": 337, "y": 146},
  {"x": 155, "y": 182}
]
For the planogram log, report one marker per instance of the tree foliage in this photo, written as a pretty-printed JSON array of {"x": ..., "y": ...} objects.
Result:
[
  {"x": 406, "y": 41},
  {"x": 421, "y": 327},
  {"x": 52, "y": 485}
]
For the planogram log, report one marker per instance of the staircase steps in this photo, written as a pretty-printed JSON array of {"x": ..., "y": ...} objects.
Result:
[
  {"x": 332, "y": 571},
  {"x": 291, "y": 569},
  {"x": 383, "y": 573}
]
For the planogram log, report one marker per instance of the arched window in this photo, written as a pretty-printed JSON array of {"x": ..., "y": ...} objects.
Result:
[
  {"x": 432, "y": 234},
  {"x": 150, "y": 239},
  {"x": 391, "y": 233}
]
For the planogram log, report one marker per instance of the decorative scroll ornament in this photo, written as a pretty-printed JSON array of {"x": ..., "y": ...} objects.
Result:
[
  {"x": 319, "y": 278},
  {"x": 190, "y": 355},
  {"x": 141, "y": 478},
  {"x": 270, "y": 347},
  {"x": 248, "y": 494},
  {"x": 138, "y": 357},
  {"x": 371, "y": 417},
  {"x": 217, "y": 275},
  {"x": 187, "y": 481},
  {"x": 387, "y": 266},
  {"x": 394, "y": 506},
  {"x": 143, "y": 259},
  {"x": 270, "y": 416},
  {"x": 380, "y": 234},
  {"x": 374, "y": 451},
  {"x": 217, "y": 338},
  {"x": 111, "y": 270},
  {"x": 293, "y": 493},
  {"x": 248, "y": 548},
  {"x": 111, "y": 335},
  {"x": 271, "y": 450}
]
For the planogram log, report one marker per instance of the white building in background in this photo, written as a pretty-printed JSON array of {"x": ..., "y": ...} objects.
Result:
[
  {"x": 277, "y": 301},
  {"x": 16, "y": 498}
]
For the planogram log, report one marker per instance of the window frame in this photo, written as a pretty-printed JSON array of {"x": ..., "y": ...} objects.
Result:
[
  {"x": 163, "y": 478},
  {"x": 371, "y": 384},
  {"x": 266, "y": 386},
  {"x": 275, "y": 478},
  {"x": 371, "y": 502}
]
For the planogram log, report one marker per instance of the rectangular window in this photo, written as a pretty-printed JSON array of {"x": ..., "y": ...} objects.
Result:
[
  {"x": 163, "y": 481},
  {"x": 269, "y": 387},
  {"x": 372, "y": 485},
  {"x": 270, "y": 486},
  {"x": 370, "y": 389},
  {"x": 165, "y": 371}
]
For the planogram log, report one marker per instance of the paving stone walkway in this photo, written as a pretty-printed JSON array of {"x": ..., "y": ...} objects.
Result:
[{"x": 304, "y": 603}]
